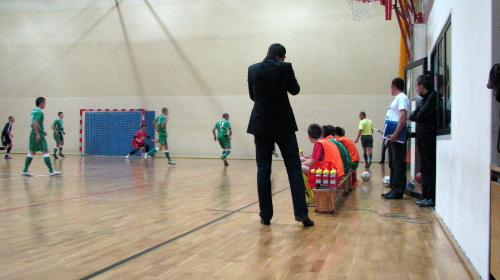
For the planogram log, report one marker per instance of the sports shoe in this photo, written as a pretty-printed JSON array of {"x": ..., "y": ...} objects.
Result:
[
  {"x": 171, "y": 163},
  {"x": 225, "y": 162},
  {"x": 61, "y": 155},
  {"x": 55, "y": 156},
  {"x": 7, "y": 157},
  {"x": 54, "y": 173},
  {"x": 27, "y": 174},
  {"x": 127, "y": 156}
]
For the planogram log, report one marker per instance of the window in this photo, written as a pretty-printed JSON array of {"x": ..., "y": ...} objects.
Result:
[{"x": 441, "y": 68}]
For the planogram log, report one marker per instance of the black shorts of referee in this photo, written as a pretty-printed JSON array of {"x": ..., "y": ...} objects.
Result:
[{"x": 366, "y": 141}]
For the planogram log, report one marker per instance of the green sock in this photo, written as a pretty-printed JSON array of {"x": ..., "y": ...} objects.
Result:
[
  {"x": 226, "y": 153},
  {"x": 48, "y": 163},
  {"x": 152, "y": 152},
  {"x": 55, "y": 150},
  {"x": 167, "y": 154},
  {"x": 27, "y": 163},
  {"x": 60, "y": 150}
]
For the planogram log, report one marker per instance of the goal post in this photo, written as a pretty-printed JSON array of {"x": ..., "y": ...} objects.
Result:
[{"x": 110, "y": 131}]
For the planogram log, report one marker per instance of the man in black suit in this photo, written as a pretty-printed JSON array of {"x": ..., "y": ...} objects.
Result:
[
  {"x": 426, "y": 116},
  {"x": 272, "y": 121}
]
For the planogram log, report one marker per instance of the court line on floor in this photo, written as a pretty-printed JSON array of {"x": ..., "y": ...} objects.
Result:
[
  {"x": 110, "y": 267},
  {"x": 107, "y": 192},
  {"x": 20, "y": 177}
]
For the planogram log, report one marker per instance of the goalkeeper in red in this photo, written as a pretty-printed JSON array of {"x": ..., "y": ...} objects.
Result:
[
  {"x": 224, "y": 136},
  {"x": 139, "y": 141}
]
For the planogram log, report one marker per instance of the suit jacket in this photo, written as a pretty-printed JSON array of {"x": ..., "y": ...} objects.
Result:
[{"x": 268, "y": 84}]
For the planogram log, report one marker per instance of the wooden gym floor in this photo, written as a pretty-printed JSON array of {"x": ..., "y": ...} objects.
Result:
[{"x": 112, "y": 218}]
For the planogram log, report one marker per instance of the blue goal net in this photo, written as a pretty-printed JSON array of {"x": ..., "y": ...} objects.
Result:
[{"x": 110, "y": 133}]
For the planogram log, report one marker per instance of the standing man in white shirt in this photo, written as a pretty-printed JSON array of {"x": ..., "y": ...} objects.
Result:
[{"x": 398, "y": 111}]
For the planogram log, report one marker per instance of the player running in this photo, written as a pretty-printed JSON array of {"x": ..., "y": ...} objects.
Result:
[
  {"x": 59, "y": 133},
  {"x": 139, "y": 141},
  {"x": 160, "y": 124},
  {"x": 6, "y": 137},
  {"x": 37, "y": 139},
  {"x": 224, "y": 136}
]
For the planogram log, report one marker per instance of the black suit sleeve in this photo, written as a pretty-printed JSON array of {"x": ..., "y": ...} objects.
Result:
[
  {"x": 250, "y": 91},
  {"x": 250, "y": 82},
  {"x": 427, "y": 110},
  {"x": 293, "y": 86}
]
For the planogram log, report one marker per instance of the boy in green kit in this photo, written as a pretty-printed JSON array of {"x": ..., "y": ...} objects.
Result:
[
  {"x": 224, "y": 136},
  {"x": 160, "y": 124},
  {"x": 59, "y": 133},
  {"x": 37, "y": 141}
]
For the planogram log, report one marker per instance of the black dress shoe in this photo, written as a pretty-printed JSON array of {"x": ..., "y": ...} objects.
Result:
[
  {"x": 305, "y": 221},
  {"x": 426, "y": 203},
  {"x": 265, "y": 222},
  {"x": 381, "y": 162},
  {"x": 392, "y": 195}
]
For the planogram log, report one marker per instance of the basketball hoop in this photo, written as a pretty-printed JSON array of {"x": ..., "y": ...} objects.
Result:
[{"x": 360, "y": 9}]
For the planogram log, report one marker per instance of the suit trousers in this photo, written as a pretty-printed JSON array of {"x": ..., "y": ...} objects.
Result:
[
  {"x": 397, "y": 164},
  {"x": 384, "y": 147},
  {"x": 264, "y": 146},
  {"x": 427, "y": 151}
]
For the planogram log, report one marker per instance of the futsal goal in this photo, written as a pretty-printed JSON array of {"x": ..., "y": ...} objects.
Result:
[{"x": 110, "y": 131}]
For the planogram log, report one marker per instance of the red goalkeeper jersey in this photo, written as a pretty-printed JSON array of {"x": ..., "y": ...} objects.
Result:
[{"x": 139, "y": 139}]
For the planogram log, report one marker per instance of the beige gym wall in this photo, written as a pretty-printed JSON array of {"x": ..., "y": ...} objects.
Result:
[{"x": 192, "y": 57}]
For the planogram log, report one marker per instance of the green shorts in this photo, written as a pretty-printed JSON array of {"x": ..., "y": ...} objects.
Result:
[
  {"x": 40, "y": 146},
  {"x": 224, "y": 141},
  {"x": 59, "y": 137},
  {"x": 162, "y": 138}
]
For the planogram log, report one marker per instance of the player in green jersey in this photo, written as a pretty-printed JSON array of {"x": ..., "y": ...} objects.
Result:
[
  {"x": 37, "y": 141},
  {"x": 59, "y": 133},
  {"x": 224, "y": 133},
  {"x": 160, "y": 124}
]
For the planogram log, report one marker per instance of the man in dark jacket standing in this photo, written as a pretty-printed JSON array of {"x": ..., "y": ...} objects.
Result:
[
  {"x": 272, "y": 121},
  {"x": 425, "y": 116}
]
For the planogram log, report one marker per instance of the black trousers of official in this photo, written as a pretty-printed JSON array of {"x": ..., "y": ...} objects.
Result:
[
  {"x": 264, "y": 146},
  {"x": 427, "y": 151},
  {"x": 384, "y": 148},
  {"x": 397, "y": 164}
]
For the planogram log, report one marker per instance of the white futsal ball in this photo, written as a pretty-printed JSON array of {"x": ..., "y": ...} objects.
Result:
[
  {"x": 386, "y": 180},
  {"x": 365, "y": 176}
]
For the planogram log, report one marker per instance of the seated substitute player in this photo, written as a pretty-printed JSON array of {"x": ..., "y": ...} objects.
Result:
[
  {"x": 6, "y": 137},
  {"x": 160, "y": 124},
  {"x": 349, "y": 144},
  {"x": 37, "y": 141},
  {"x": 224, "y": 133},
  {"x": 139, "y": 141},
  {"x": 344, "y": 153},
  {"x": 324, "y": 150},
  {"x": 58, "y": 128}
]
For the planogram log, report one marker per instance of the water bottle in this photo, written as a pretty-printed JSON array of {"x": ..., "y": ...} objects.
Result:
[{"x": 333, "y": 178}]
